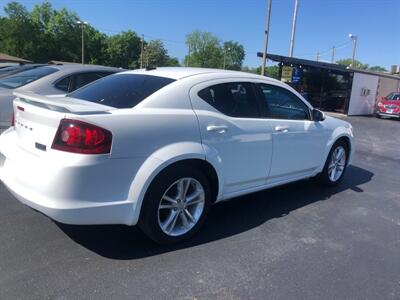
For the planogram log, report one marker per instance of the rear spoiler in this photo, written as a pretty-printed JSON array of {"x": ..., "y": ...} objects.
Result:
[{"x": 62, "y": 103}]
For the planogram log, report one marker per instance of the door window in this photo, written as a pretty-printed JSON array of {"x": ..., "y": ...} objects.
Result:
[
  {"x": 235, "y": 99},
  {"x": 283, "y": 104}
]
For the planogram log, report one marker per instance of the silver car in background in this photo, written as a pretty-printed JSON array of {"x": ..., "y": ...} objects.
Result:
[{"x": 47, "y": 80}]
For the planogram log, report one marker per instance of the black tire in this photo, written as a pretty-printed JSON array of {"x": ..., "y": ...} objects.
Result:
[
  {"x": 378, "y": 116},
  {"x": 148, "y": 221},
  {"x": 324, "y": 177}
]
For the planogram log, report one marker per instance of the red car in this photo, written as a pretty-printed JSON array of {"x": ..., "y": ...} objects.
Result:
[{"x": 389, "y": 106}]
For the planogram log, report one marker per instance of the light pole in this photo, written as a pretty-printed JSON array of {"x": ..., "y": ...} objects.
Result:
[
  {"x": 82, "y": 24},
  {"x": 333, "y": 55},
  {"x": 354, "y": 38},
  {"x": 296, "y": 5},
  {"x": 267, "y": 22},
  {"x": 141, "y": 51},
  {"x": 225, "y": 49}
]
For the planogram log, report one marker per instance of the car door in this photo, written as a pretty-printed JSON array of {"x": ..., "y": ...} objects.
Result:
[
  {"x": 234, "y": 134},
  {"x": 298, "y": 141}
]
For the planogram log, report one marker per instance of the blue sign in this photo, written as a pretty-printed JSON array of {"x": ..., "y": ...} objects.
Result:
[{"x": 296, "y": 75}]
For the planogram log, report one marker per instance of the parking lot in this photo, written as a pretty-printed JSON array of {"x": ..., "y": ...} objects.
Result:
[{"x": 299, "y": 241}]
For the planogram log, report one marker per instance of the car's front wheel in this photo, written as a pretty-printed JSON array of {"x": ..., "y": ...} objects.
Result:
[
  {"x": 175, "y": 205},
  {"x": 335, "y": 165}
]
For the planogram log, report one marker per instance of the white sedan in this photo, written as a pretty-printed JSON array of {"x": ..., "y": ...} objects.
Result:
[{"x": 158, "y": 147}]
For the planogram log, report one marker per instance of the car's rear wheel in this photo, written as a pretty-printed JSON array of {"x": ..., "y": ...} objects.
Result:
[
  {"x": 175, "y": 205},
  {"x": 335, "y": 165}
]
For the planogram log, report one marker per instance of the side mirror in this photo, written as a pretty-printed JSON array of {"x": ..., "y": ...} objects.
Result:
[{"x": 318, "y": 115}]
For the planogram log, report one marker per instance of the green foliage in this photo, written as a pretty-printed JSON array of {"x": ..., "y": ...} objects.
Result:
[
  {"x": 271, "y": 71},
  {"x": 207, "y": 51},
  {"x": 46, "y": 34},
  {"x": 360, "y": 65},
  {"x": 155, "y": 55},
  {"x": 234, "y": 55},
  {"x": 123, "y": 49}
]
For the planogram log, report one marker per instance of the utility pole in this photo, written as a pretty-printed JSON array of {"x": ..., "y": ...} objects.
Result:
[
  {"x": 296, "y": 5},
  {"x": 333, "y": 55},
  {"x": 354, "y": 38},
  {"x": 82, "y": 25},
  {"x": 318, "y": 56},
  {"x": 188, "y": 58},
  {"x": 266, "y": 35},
  {"x": 141, "y": 52},
  {"x": 225, "y": 49}
]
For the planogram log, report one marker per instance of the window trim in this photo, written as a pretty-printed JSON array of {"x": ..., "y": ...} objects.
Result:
[{"x": 262, "y": 100}]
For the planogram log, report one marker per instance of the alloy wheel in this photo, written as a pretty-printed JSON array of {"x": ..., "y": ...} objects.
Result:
[{"x": 181, "y": 206}]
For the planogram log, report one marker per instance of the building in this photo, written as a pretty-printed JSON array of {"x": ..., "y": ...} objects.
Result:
[{"x": 333, "y": 87}]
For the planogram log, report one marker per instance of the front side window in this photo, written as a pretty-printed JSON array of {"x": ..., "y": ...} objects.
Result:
[
  {"x": 121, "y": 90},
  {"x": 235, "y": 99},
  {"x": 283, "y": 104},
  {"x": 25, "y": 77}
]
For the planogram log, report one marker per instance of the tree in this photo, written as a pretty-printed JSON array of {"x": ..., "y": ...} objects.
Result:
[
  {"x": 357, "y": 64},
  {"x": 377, "y": 69},
  {"x": 155, "y": 55},
  {"x": 205, "y": 50},
  {"x": 271, "y": 71},
  {"x": 234, "y": 55},
  {"x": 123, "y": 50}
]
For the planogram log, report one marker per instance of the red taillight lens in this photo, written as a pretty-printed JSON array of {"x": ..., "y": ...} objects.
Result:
[
  {"x": 80, "y": 137},
  {"x": 380, "y": 104}
]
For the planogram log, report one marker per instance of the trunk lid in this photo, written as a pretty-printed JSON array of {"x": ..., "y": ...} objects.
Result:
[{"x": 37, "y": 118}]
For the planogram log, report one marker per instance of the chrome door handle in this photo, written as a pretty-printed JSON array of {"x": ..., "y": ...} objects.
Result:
[
  {"x": 217, "y": 128},
  {"x": 282, "y": 128}
]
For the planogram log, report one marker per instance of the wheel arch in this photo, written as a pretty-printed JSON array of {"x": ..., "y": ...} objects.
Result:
[{"x": 164, "y": 159}]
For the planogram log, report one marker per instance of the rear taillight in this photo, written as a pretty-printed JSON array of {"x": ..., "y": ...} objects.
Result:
[
  {"x": 80, "y": 137},
  {"x": 380, "y": 104}
]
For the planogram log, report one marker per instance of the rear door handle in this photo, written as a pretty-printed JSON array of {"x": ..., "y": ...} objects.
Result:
[
  {"x": 217, "y": 128},
  {"x": 281, "y": 128}
]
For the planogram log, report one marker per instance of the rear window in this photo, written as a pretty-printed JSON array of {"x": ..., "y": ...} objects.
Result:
[
  {"x": 122, "y": 90},
  {"x": 25, "y": 77}
]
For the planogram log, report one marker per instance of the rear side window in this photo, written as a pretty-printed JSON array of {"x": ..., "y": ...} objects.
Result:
[
  {"x": 235, "y": 99},
  {"x": 63, "y": 84},
  {"x": 122, "y": 90},
  {"x": 25, "y": 77}
]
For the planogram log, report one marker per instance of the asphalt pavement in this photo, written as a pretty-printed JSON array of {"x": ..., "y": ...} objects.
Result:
[{"x": 299, "y": 241}]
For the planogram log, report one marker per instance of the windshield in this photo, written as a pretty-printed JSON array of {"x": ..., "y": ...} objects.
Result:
[
  {"x": 121, "y": 90},
  {"x": 25, "y": 77},
  {"x": 393, "y": 96}
]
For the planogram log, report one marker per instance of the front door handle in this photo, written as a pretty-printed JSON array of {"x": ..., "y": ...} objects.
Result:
[
  {"x": 281, "y": 128},
  {"x": 217, "y": 128}
]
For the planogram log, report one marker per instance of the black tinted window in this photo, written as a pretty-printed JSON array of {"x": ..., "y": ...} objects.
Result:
[
  {"x": 122, "y": 90},
  {"x": 26, "y": 77},
  {"x": 235, "y": 99},
  {"x": 283, "y": 104},
  {"x": 63, "y": 84},
  {"x": 84, "y": 79}
]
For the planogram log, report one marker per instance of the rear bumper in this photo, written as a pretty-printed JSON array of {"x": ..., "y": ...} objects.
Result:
[{"x": 72, "y": 190}]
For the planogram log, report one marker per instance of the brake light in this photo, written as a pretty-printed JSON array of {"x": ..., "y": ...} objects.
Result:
[
  {"x": 380, "y": 104},
  {"x": 81, "y": 137}
]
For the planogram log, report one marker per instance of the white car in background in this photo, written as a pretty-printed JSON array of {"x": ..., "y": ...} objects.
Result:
[
  {"x": 158, "y": 147},
  {"x": 47, "y": 80}
]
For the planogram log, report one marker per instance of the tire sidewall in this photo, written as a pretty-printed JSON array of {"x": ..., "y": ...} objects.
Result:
[
  {"x": 148, "y": 220},
  {"x": 324, "y": 176}
]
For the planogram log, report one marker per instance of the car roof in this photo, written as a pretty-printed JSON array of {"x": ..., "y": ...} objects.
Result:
[
  {"x": 183, "y": 72},
  {"x": 78, "y": 68}
]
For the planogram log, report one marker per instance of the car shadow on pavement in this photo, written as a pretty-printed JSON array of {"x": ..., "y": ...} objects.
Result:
[{"x": 225, "y": 219}]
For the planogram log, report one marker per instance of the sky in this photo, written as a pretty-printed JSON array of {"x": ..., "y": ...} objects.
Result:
[{"x": 321, "y": 24}]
